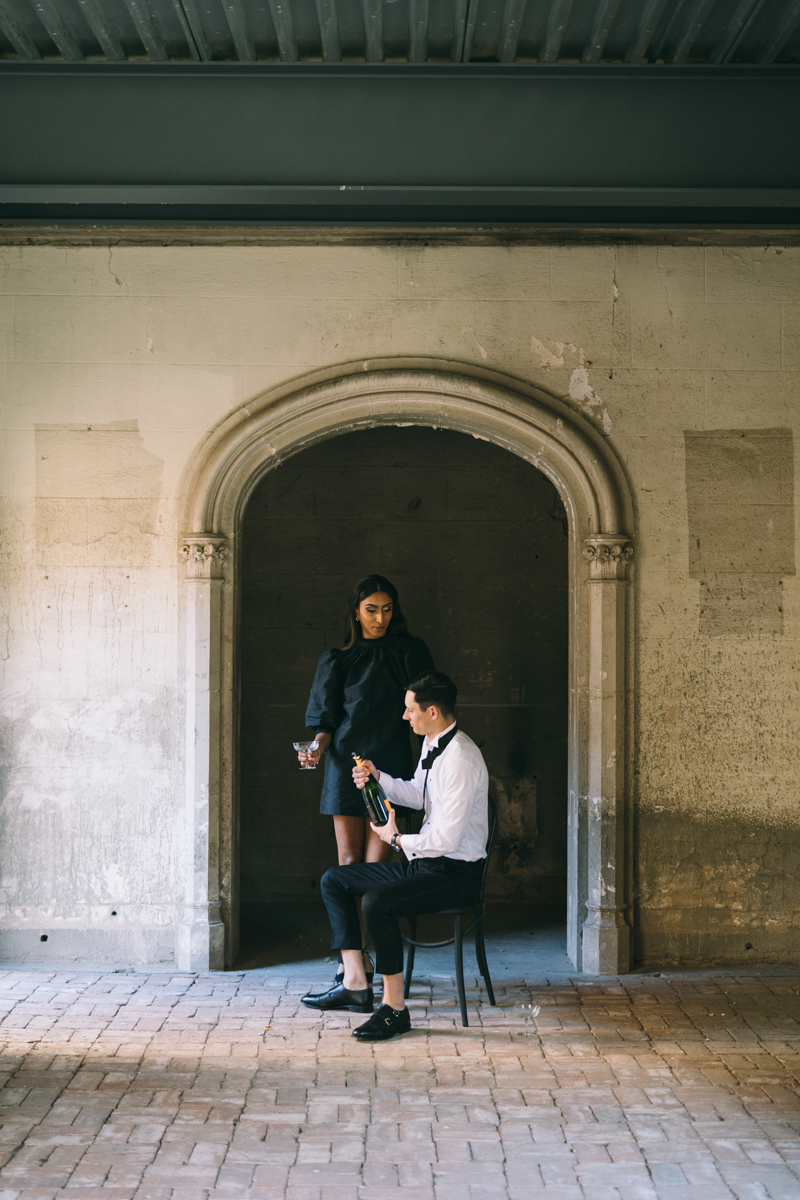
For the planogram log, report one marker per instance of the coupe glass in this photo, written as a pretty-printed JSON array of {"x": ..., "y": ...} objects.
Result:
[{"x": 305, "y": 747}]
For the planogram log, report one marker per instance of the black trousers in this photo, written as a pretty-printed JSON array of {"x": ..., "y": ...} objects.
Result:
[{"x": 391, "y": 890}]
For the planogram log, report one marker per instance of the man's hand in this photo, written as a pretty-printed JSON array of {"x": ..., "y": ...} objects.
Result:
[
  {"x": 386, "y": 831},
  {"x": 361, "y": 774}
]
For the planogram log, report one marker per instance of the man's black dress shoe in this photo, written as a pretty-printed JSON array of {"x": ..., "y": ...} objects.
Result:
[
  {"x": 386, "y": 1023},
  {"x": 341, "y": 997}
]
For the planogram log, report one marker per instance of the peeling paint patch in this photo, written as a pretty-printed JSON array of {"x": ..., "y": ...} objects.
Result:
[
  {"x": 546, "y": 357},
  {"x": 581, "y": 390}
]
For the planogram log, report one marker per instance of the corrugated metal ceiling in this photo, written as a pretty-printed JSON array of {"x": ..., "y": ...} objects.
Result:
[{"x": 530, "y": 31}]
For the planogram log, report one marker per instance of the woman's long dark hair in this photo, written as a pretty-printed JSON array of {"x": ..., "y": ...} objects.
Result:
[{"x": 368, "y": 587}]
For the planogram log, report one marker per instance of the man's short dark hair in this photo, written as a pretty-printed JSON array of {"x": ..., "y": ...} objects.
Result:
[{"x": 435, "y": 688}]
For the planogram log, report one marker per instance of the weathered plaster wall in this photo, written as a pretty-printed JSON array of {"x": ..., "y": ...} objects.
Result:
[{"x": 116, "y": 362}]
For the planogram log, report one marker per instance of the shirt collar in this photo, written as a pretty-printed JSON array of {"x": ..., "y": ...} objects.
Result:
[{"x": 431, "y": 745}]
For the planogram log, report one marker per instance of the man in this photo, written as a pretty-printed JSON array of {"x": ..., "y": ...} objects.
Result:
[{"x": 440, "y": 867}]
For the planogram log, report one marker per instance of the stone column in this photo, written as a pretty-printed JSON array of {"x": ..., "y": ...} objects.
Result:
[
  {"x": 201, "y": 934},
  {"x": 606, "y": 935}
]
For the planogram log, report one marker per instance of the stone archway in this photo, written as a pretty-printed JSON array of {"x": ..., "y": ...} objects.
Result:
[{"x": 515, "y": 416}]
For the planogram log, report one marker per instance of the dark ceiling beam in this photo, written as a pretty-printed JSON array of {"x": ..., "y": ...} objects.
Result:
[
  {"x": 469, "y": 32},
  {"x": 151, "y": 40},
  {"x": 787, "y": 26},
  {"x": 18, "y": 36},
  {"x": 743, "y": 17},
  {"x": 227, "y": 205},
  {"x": 282, "y": 20},
  {"x": 373, "y": 30},
  {"x": 97, "y": 22},
  {"x": 329, "y": 30},
  {"x": 394, "y": 142},
  {"x": 509, "y": 34},
  {"x": 603, "y": 20},
  {"x": 695, "y": 19},
  {"x": 240, "y": 30},
  {"x": 556, "y": 27},
  {"x": 66, "y": 41},
  {"x": 651, "y": 14},
  {"x": 193, "y": 31},
  {"x": 418, "y": 20}
]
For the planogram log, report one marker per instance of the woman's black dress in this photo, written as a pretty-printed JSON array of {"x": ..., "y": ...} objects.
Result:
[{"x": 358, "y": 697}]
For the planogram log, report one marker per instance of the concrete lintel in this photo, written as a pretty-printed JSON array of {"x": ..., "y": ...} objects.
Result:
[{"x": 367, "y": 233}]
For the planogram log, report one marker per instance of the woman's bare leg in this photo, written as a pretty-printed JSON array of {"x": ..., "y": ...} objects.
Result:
[
  {"x": 375, "y": 850},
  {"x": 349, "y": 839}
]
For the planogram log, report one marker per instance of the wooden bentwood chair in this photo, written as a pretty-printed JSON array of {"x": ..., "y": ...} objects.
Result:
[{"x": 471, "y": 910}]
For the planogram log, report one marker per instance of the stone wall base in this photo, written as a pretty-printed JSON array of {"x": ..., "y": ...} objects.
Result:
[
  {"x": 704, "y": 938},
  {"x": 88, "y": 946}
]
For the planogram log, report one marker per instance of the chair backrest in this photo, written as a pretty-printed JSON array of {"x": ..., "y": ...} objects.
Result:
[{"x": 489, "y": 840}]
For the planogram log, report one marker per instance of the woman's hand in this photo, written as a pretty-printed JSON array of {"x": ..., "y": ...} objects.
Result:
[
  {"x": 361, "y": 774},
  {"x": 311, "y": 758}
]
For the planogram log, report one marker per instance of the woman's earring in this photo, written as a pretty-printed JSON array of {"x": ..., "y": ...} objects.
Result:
[{"x": 358, "y": 618}]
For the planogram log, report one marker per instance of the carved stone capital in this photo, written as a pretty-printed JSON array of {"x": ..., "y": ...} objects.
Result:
[
  {"x": 608, "y": 555},
  {"x": 204, "y": 555}
]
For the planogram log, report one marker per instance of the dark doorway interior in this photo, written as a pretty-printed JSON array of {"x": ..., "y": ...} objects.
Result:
[{"x": 475, "y": 539}]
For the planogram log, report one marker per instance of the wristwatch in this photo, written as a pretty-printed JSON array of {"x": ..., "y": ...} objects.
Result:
[{"x": 393, "y": 842}]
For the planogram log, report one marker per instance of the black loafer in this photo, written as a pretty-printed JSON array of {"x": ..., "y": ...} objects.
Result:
[
  {"x": 386, "y": 1023},
  {"x": 341, "y": 997}
]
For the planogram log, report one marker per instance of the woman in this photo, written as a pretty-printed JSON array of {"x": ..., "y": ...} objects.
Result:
[{"x": 356, "y": 707}]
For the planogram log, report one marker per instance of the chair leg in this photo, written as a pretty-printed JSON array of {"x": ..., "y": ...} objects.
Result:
[
  {"x": 483, "y": 966},
  {"x": 410, "y": 953},
  {"x": 459, "y": 953}
]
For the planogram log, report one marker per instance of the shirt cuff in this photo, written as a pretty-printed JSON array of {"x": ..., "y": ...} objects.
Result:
[{"x": 408, "y": 844}]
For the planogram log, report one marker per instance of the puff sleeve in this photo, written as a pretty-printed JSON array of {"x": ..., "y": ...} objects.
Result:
[{"x": 325, "y": 711}]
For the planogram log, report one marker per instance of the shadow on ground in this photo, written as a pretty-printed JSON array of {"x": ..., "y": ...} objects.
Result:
[{"x": 521, "y": 940}]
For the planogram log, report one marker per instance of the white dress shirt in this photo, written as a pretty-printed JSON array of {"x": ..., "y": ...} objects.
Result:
[{"x": 455, "y": 801}]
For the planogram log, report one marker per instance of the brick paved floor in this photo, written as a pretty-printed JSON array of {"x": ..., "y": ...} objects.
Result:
[{"x": 169, "y": 1087}]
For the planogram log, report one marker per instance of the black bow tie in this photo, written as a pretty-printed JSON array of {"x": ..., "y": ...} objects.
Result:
[{"x": 444, "y": 742}]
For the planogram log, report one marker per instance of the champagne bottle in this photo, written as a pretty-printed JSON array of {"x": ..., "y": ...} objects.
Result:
[{"x": 374, "y": 797}]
